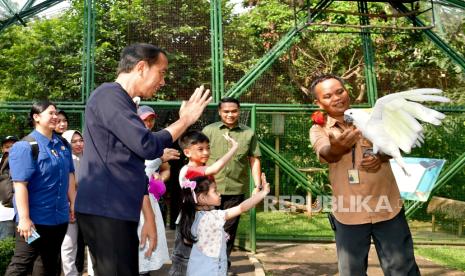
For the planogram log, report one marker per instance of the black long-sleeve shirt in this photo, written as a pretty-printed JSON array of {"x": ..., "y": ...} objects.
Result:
[{"x": 112, "y": 178}]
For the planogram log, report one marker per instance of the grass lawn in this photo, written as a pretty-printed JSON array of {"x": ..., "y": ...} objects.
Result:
[
  {"x": 450, "y": 256},
  {"x": 282, "y": 225}
]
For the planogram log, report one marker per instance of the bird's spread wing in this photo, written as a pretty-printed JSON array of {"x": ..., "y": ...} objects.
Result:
[{"x": 399, "y": 113}]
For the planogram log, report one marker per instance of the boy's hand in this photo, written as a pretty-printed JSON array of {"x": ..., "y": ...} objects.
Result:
[
  {"x": 170, "y": 154},
  {"x": 156, "y": 176},
  {"x": 230, "y": 140}
]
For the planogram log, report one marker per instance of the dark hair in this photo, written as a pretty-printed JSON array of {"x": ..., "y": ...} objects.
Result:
[
  {"x": 134, "y": 53},
  {"x": 62, "y": 112},
  {"x": 229, "y": 100},
  {"x": 37, "y": 108},
  {"x": 188, "y": 207},
  {"x": 192, "y": 137},
  {"x": 322, "y": 78}
]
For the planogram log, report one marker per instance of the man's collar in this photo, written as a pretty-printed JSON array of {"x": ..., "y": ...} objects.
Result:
[
  {"x": 331, "y": 122},
  {"x": 222, "y": 125}
]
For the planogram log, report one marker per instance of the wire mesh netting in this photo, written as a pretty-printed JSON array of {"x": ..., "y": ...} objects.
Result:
[{"x": 186, "y": 37}]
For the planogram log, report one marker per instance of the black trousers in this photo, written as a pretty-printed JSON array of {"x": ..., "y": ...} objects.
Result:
[
  {"x": 48, "y": 247},
  {"x": 393, "y": 243},
  {"x": 230, "y": 227},
  {"x": 80, "y": 252},
  {"x": 113, "y": 243}
]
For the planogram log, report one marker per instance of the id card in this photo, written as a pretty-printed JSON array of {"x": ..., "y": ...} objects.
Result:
[
  {"x": 353, "y": 176},
  {"x": 33, "y": 237}
]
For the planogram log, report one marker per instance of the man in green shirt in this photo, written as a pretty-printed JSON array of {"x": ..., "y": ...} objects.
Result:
[{"x": 232, "y": 181}]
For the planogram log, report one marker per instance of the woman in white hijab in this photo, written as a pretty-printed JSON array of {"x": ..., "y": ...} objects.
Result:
[{"x": 69, "y": 246}]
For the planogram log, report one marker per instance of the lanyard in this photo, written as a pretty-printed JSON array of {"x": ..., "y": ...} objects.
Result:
[{"x": 353, "y": 157}]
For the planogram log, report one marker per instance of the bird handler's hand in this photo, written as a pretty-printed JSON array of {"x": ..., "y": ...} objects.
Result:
[
  {"x": 371, "y": 163},
  {"x": 344, "y": 142}
]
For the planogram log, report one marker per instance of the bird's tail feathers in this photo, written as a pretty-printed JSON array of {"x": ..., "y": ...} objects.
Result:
[{"x": 401, "y": 163}]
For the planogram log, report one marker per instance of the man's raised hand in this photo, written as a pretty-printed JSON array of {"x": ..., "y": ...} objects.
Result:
[{"x": 192, "y": 109}]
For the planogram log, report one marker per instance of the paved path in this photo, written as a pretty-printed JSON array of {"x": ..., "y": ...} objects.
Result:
[
  {"x": 292, "y": 259},
  {"x": 240, "y": 260}
]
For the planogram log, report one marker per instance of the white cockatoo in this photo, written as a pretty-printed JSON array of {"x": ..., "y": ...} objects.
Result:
[{"x": 392, "y": 123}]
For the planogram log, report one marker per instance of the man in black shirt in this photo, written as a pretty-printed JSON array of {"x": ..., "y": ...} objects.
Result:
[{"x": 113, "y": 185}]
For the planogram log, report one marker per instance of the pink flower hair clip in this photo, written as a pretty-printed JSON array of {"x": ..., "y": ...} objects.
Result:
[{"x": 191, "y": 185}]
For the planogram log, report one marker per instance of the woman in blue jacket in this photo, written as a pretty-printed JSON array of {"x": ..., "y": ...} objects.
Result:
[{"x": 44, "y": 193}]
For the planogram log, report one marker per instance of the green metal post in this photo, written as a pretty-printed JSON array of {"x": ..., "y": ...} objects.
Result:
[
  {"x": 220, "y": 51},
  {"x": 456, "y": 3},
  {"x": 28, "y": 5},
  {"x": 82, "y": 119},
  {"x": 445, "y": 176},
  {"x": 253, "y": 211},
  {"x": 7, "y": 6},
  {"x": 217, "y": 49},
  {"x": 266, "y": 61},
  {"x": 441, "y": 44},
  {"x": 213, "y": 48},
  {"x": 288, "y": 168},
  {"x": 247, "y": 80},
  {"x": 88, "y": 51},
  {"x": 26, "y": 13},
  {"x": 368, "y": 55}
]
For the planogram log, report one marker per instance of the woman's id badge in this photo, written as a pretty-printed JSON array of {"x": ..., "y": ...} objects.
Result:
[{"x": 353, "y": 176}]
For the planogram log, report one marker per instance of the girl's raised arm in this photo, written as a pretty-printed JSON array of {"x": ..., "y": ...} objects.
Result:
[{"x": 250, "y": 202}]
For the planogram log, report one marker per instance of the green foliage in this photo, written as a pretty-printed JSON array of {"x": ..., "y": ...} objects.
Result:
[
  {"x": 14, "y": 124},
  {"x": 42, "y": 60},
  {"x": 7, "y": 247}
]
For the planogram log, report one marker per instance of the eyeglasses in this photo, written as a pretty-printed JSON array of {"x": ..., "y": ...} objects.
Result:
[{"x": 77, "y": 141}]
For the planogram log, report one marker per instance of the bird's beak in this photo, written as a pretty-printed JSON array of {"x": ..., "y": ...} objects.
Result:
[{"x": 348, "y": 119}]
